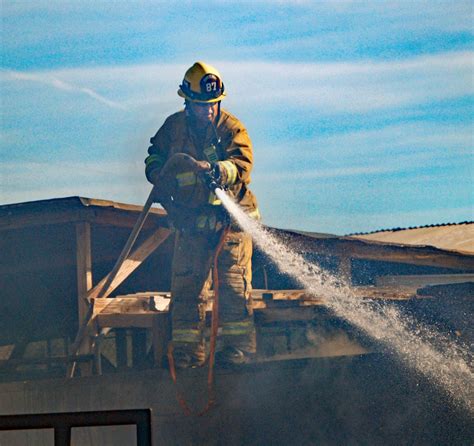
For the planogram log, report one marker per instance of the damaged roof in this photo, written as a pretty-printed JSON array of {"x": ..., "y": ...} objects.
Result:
[
  {"x": 73, "y": 209},
  {"x": 452, "y": 236},
  {"x": 113, "y": 214}
]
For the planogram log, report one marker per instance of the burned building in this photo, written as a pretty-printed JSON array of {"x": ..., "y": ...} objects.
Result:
[{"x": 81, "y": 332}]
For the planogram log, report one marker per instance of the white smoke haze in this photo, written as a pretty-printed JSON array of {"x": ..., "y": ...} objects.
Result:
[
  {"x": 322, "y": 344},
  {"x": 444, "y": 363}
]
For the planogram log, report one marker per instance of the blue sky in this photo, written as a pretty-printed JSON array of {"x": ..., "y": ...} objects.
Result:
[{"x": 361, "y": 113}]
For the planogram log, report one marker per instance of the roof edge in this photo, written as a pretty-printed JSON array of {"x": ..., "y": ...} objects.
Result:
[
  {"x": 75, "y": 201},
  {"x": 435, "y": 225}
]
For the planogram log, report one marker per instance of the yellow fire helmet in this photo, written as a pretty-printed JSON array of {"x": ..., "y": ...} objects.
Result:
[{"x": 202, "y": 83}]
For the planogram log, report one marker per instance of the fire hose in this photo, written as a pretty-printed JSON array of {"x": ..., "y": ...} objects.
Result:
[{"x": 211, "y": 180}]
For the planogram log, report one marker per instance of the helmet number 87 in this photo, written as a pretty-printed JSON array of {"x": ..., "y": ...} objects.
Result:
[{"x": 211, "y": 86}]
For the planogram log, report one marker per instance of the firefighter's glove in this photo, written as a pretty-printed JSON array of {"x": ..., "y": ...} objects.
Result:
[{"x": 201, "y": 166}]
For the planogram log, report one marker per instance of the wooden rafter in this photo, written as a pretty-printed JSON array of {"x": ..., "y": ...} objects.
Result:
[
  {"x": 108, "y": 284},
  {"x": 130, "y": 264}
]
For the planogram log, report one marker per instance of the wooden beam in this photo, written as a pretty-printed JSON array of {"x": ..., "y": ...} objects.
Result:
[
  {"x": 131, "y": 264},
  {"x": 96, "y": 214},
  {"x": 83, "y": 268},
  {"x": 125, "y": 320},
  {"x": 126, "y": 219},
  {"x": 416, "y": 255},
  {"x": 372, "y": 250},
  {"x": 423, "y": 279},
  {"x": 132, "y": 238},
  {"x": 108, "y": 284},
  {"x": 123, "y": 304},
  {"x": 9, "y": 222},
  {"x": 84, "y": 284}
]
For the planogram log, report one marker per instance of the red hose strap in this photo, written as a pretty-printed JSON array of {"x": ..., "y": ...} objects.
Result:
[{"x": 213, "y": 340}]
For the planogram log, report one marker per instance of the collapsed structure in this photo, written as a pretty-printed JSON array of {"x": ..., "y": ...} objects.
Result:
[{"x": 56, "y": 259}]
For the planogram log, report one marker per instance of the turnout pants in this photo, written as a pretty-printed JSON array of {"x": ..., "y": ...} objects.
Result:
[{"x": 190, "y": 284}]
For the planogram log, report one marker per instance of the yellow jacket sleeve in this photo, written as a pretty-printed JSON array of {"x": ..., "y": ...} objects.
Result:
[
  {"x": 237, "y": 161},
  {"x": 158, "y": 151}
]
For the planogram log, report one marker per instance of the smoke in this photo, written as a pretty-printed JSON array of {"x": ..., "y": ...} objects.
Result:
[{"x": 322, "y": 344}]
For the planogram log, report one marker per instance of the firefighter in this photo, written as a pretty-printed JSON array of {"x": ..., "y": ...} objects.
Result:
[{"x": 201, "y": 139}]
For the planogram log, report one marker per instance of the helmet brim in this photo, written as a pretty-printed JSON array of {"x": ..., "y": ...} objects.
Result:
[{"x": 209, "y": 101}]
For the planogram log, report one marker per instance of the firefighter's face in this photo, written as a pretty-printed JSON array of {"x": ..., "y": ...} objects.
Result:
[{"x": 203, "y": 112}]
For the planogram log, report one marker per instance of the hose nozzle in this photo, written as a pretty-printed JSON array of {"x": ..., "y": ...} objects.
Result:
[{"x": 212, "y": 179}]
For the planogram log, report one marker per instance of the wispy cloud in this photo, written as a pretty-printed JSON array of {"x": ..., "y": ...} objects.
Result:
[
  {"x": 44, "y": 33},
  {"x": 324, "y": 173},
  {"x": 52, "y": 80},
  {"x": 356, "y": 87},
  {"x": 333, "y": 87},
  {"x": 25, "y": 181},
  {"x": 344, "y": 223},
  {"x": 410, "y": 137},
  {"x": 405, "y": 148}
]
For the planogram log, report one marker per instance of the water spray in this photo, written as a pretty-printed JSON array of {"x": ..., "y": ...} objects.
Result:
[{"x": 443, "y": 362}]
